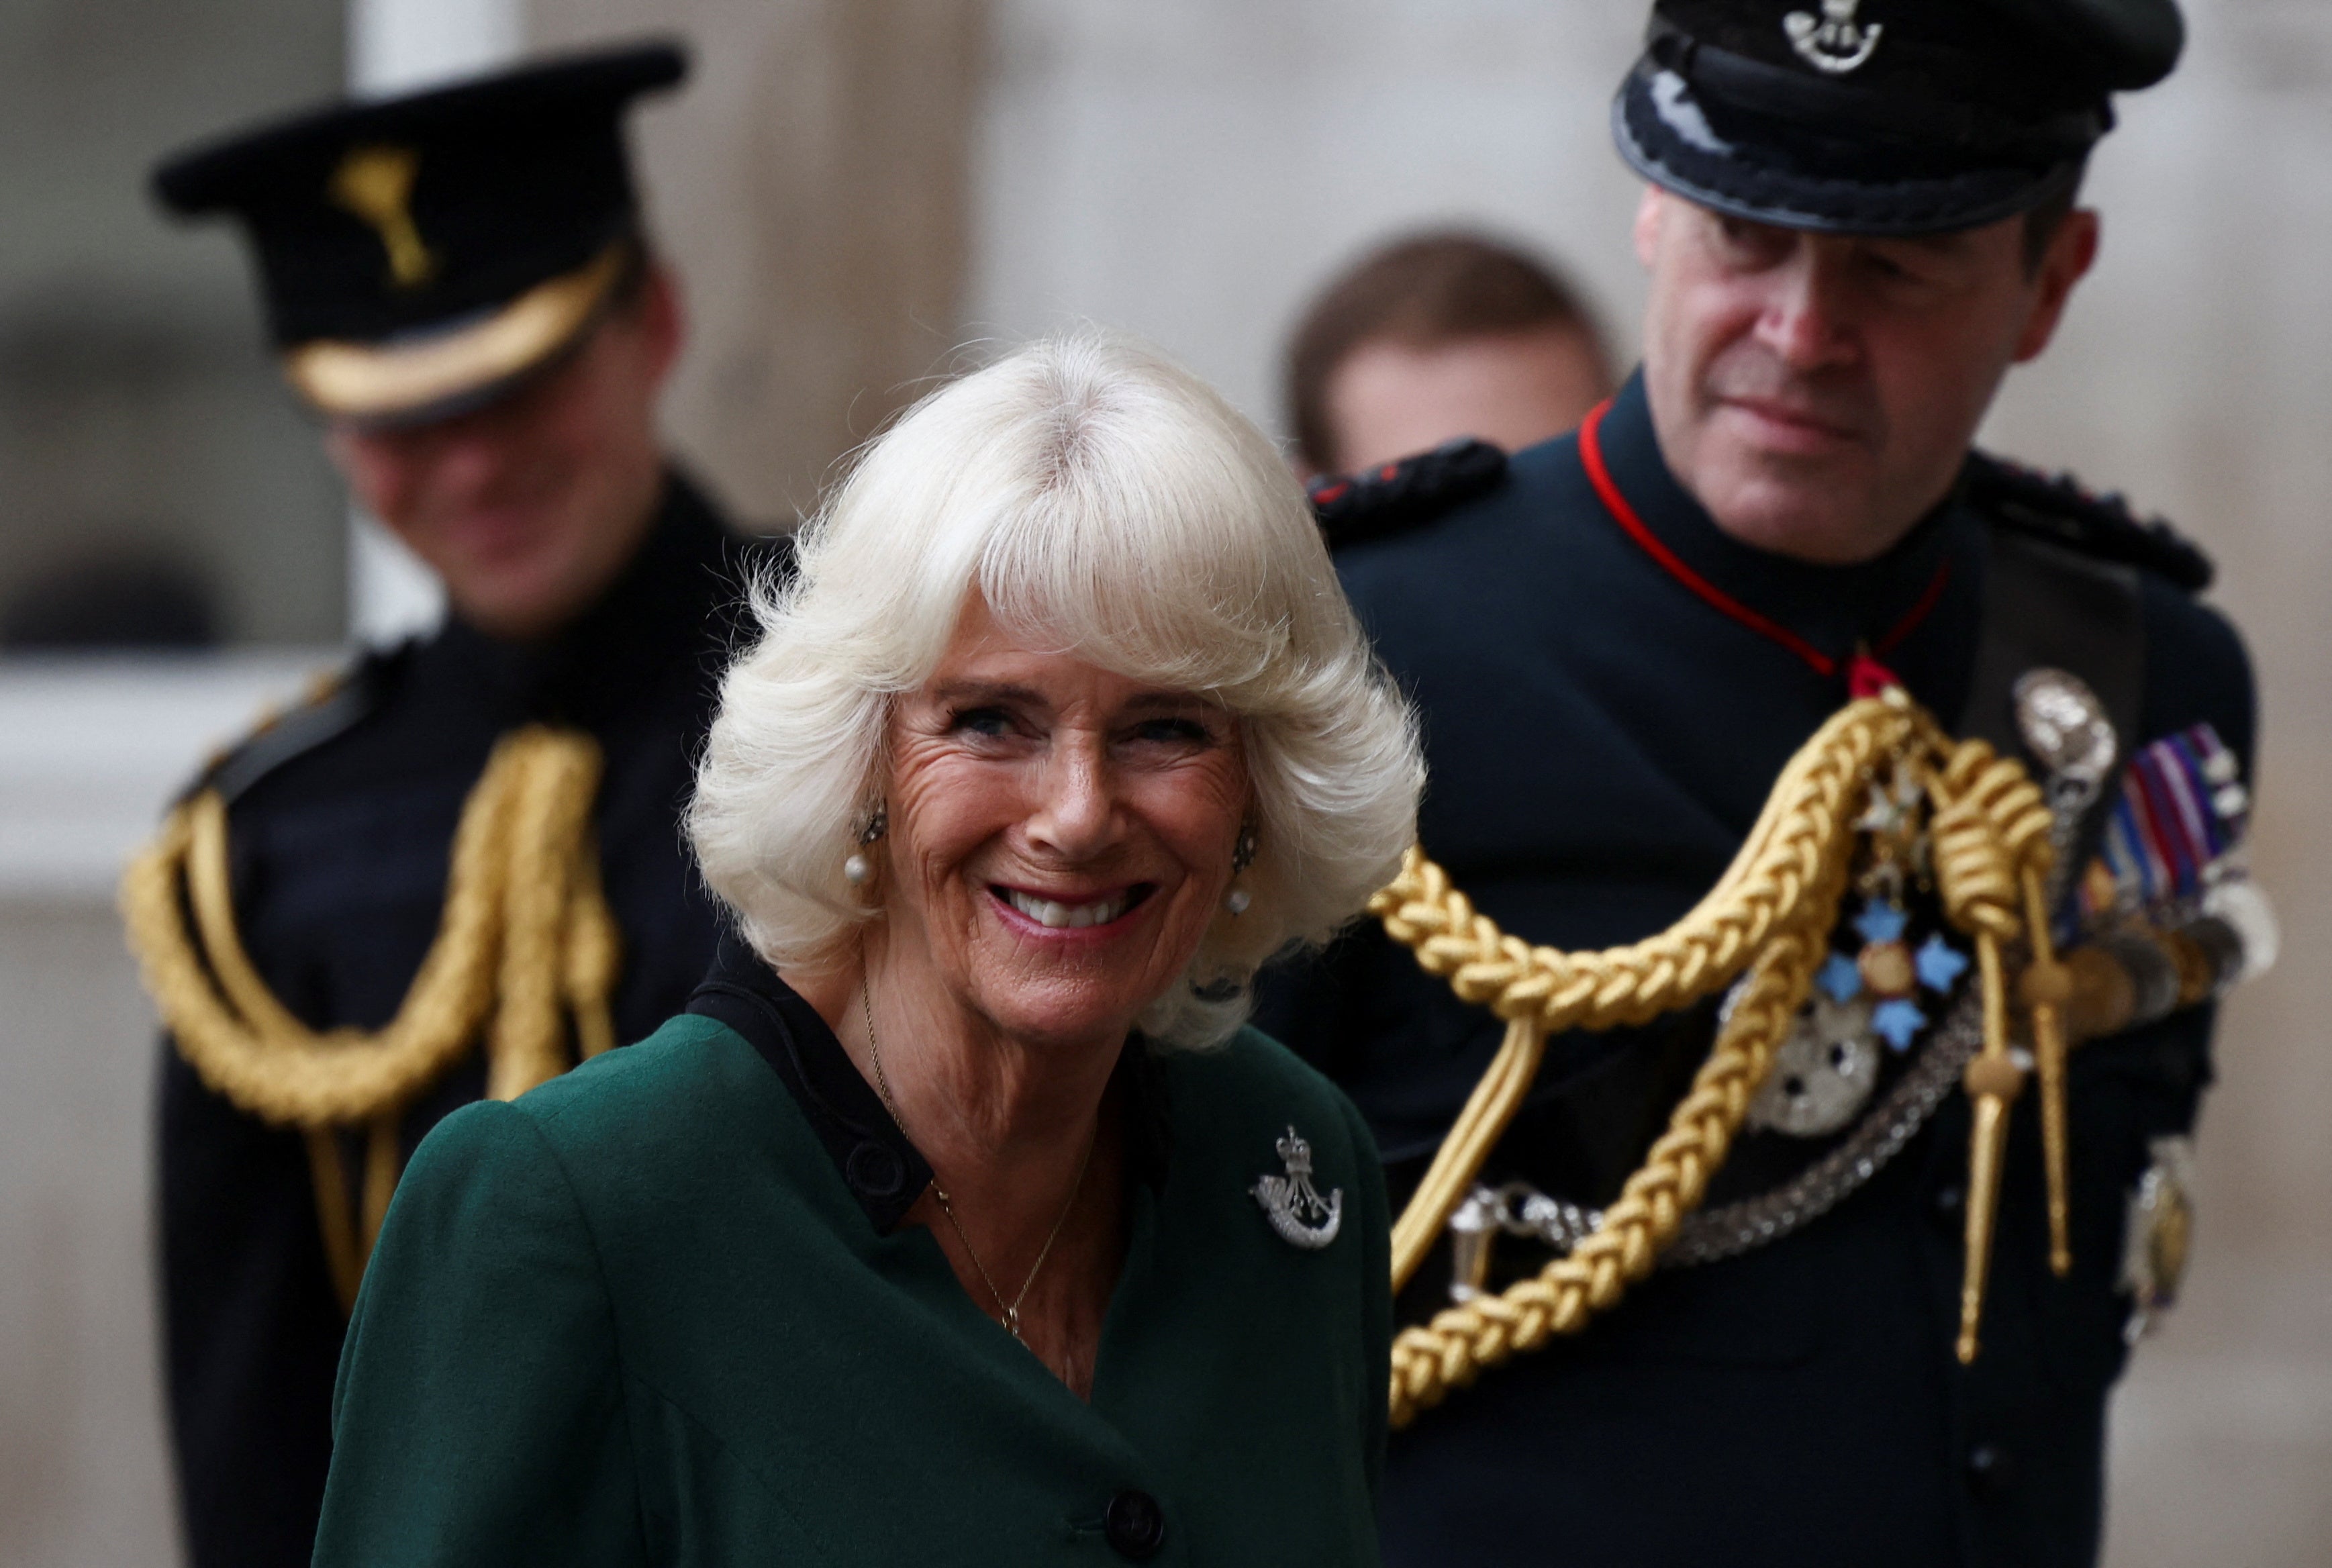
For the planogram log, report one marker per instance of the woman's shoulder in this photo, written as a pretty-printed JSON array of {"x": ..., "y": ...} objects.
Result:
[{"x": 658, "y": 1099}]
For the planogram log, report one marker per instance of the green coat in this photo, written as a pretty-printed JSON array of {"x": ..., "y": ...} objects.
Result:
[{"x": 643, "y": 1315}]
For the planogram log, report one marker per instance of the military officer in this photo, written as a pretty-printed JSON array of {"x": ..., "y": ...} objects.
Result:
[
  {"x": 460, "y": 866},
  {"x": 1858, "y": 217}
]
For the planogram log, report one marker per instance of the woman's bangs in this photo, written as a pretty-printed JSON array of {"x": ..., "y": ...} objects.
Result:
[{"x": 1155, "y": 587}]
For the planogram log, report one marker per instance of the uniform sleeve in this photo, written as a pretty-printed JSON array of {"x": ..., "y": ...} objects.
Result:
[
  {"x": 479, "y": 1416},
  {"x": 250, "y": 1326},
  {"x": 2197, "y": 670}
]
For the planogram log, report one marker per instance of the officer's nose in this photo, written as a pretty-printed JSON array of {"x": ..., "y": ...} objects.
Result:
[{"x": 1806, "y": 321}]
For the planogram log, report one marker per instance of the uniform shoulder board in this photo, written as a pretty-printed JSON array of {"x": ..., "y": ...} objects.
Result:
[
  {"x": 2057, "y": 507},
  {"x": 1410, "y": 493},
  {"x": 332, "y": 705}
]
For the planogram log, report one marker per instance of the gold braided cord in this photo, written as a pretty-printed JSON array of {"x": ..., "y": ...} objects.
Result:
[
  {"x": 550, "y": 833},
  {"x": 1452, "y": 1350},
  {"x": 1770, "y": 914},
  {"x": 1799, "y": 845},
  {"x": 525, "y": 944},
  {"x": 342, "y": 1253},
  {"x": 594, "y": 954}
]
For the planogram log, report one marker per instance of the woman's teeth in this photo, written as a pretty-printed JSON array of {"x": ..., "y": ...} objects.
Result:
[{"x": 1068, "y": 916}]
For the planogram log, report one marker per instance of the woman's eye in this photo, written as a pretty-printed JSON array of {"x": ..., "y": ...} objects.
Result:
[
  {"x": 979, "y": 722},
  {"x": 1176, "y": 732}
]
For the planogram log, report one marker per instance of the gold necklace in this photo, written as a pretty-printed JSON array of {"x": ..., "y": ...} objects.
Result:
[{"x": 1010, "y": 1309}]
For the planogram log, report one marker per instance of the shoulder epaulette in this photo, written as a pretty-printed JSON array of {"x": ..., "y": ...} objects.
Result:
[
  {"x": 1407, "y": 494},
  {"x": 2057, "y": 508},
  {"x": 332, "y": 705}
]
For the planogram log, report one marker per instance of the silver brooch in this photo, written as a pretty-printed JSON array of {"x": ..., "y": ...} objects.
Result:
[
  {"x": 1836, "y": 42},
  {"x": 1295, "y": 1207}
]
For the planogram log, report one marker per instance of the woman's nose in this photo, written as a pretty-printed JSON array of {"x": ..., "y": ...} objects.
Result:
[{"x": 1077, "y": 813}]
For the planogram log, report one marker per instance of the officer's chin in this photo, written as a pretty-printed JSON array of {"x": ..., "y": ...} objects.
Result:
[{"x": 1812, "y": 510}]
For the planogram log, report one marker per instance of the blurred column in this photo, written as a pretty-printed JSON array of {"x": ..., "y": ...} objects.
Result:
[
  {"x": 396, "y": 46},
  {"x": 811, "y": 187}
]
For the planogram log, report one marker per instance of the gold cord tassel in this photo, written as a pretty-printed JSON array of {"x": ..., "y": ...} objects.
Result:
[
  {"x": 594, "y": 953},
  {"x": 334, "y": 1214},
  {"x": 1990, "y": 839},
  {"x": 1475, "y": 1133},
  {"x": 2046, "y": 988},
  {"x": 1993, "y": 1081}
]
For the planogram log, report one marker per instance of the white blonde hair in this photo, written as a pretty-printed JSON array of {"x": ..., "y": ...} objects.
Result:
[{"x": 1103, "y": 500}]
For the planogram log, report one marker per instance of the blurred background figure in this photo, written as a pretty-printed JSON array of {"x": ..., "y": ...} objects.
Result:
[
  {"x": 459, "y": 283},
  {"x": 1438, "y": 336}
]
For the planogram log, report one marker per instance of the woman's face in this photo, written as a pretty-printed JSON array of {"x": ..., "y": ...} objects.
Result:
[{"x": 1059, "y": 835}]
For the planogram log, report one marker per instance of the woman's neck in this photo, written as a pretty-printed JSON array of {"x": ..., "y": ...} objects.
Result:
[
  {"x": 1014, "y": 1132},
  {"x": 968, "y": 1093}
]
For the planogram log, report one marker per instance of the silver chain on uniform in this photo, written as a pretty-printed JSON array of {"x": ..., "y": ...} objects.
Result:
[{"x": 1708, "y": 1235}]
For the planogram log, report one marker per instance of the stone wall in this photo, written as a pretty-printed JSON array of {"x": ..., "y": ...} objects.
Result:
[
  {"x": 140, "y": 414},
  {"x": 811, "y": 186},
  {"x": 83, "y": 1480}
]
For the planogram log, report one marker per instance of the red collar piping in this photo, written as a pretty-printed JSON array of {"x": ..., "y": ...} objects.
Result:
[{"x": 1590, "y": 453}]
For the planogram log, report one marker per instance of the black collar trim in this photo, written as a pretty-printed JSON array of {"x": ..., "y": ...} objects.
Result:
[{"x": 875, "y": 1160}]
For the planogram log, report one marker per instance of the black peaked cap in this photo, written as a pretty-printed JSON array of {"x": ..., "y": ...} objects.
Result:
[
  {"x": 1883, "y": 117},
  {"x": 374, "y": 220}
]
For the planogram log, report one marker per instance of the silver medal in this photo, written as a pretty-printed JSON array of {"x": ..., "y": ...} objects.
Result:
[
  {"x": 2157, "y": 1235},
  {"x": 1823, "y": 1074},
  {"x": 1293, "y": 1206},
  {"x": 2065, "y": 726}
]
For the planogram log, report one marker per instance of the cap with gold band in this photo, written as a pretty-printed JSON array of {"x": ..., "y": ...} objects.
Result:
[{"x": 422, "y": 255}]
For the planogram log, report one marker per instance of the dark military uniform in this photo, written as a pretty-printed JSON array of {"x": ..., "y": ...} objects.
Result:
[
  {"x": 1600, "y": 740},
  {"x": 341, "y": 818},
  {"x": 421, "y": 257},
  {"x": 1610, "y": 686}
]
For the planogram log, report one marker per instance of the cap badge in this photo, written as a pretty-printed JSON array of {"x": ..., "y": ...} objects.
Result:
[
  {"x": 376, "y": 183},
  {"x": 1295, "y": 1207},
  {"x": 1837, "y": 44}
]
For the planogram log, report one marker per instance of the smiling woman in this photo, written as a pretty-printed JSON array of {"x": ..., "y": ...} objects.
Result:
[
  {"x": 1090, "y": 505},
  {"x": 1062, "y": 728}
]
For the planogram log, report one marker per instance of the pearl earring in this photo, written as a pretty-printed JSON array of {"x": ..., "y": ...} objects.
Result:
[
  {"x": 1242, "y": 857},
  {"x": 857, "y": 869}
]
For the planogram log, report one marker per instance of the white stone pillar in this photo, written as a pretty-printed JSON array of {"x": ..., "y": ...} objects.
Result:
[{"x": 396, "y": 46}]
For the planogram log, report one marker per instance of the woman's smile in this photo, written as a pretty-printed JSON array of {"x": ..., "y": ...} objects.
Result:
[{"x": 1102, "y": 915}]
